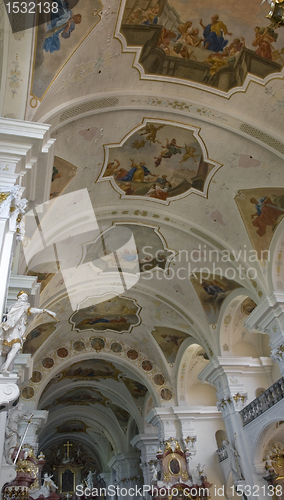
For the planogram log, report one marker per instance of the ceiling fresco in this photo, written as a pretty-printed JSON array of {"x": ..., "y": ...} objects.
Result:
[
  {"x": 79, "y": 396},
  {"x": 42, "y": 278},
  {"x": 58, "y": 39},
  {"x": 38, "y": 336},
  {"x": 72, "y": 426},
  {"x": 136, "y": 389},
  {"x": 210, "y": 43},
  {"x": 261, "y": 210},
  {"x": 121, "y": 414},
  {"x": 169, "y": 340},
  {"x": 212, "y": 292},
  {"x": 117, "y": 314},
  {"x": 62, "y": 173},
  {"x": 248, "y": 305},
  {"x": 159, "y": 161},
  {"x": 150, "y": 249},
  {"x": 87, "y": 370},
  {"x": 167, "y": 135}
]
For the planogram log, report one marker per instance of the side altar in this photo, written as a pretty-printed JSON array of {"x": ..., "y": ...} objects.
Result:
[{"x": 172, "y": 475}]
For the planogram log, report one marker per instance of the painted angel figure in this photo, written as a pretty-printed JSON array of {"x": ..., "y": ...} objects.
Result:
[
  {"x": 14, "y": 329},
  {"x": 62, "y": 23}
]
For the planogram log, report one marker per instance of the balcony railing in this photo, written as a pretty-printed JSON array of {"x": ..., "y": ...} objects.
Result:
[
  {"x": 265, "y": 401},
  {"x": 222, "y": 453}
]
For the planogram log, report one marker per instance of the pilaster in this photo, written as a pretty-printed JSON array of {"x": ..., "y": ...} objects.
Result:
[
  {"x": 225, "y": 375},
  {"x": 148, "y": 446}
]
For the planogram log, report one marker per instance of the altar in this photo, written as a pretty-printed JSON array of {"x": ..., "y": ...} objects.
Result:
[
  {"x": 68, "y": 473},
  {"x": 172, "y": 477}
]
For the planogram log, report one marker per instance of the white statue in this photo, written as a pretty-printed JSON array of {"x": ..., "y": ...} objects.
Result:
[
  {"x": 154, "y": 472},
  {"x": 17, "y": 214},
  {"x": 13, "y": 206},
  {"x": 89, "y": 480},
  {"x": 47, "y": 487},
  {"x": 12, "y": 436},
  {"x": 234, "y": 460},
  {"x": 268, "y": 465},
  {"x": 14, "y": 329}
]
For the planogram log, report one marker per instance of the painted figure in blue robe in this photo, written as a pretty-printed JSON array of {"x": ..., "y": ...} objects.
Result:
[
  {"x": 213, "y": 288},
  {"x": 151, "y": 15},
  {"x": 170, "y": 149},
  {"x": 61, "y": 23},
  {"x": 213, "y": 34},
  {"x": 137, "y": 172}
]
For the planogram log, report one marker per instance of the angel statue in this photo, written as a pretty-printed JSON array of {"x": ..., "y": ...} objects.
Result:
[
  {"x": 153, "y": 472},
  {"x": 14, "y": 329},
  {"x": 47, "y": 487}
]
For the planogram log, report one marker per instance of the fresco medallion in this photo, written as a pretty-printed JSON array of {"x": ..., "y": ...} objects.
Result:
[{"x": 159, "y": 161}]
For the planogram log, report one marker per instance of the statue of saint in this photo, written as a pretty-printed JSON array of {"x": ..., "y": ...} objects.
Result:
[
  {"x": 14, "y": 329},
  {"x": 12, "y": 436},
  {"x": 234, "y": 460},
  {"x": 89, "y": 480}
]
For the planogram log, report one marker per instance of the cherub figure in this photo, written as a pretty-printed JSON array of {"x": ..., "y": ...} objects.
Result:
[
  {"x": 150, "y": 131},
  {"x": 47, "y": 487},
  {"x": 189, "y": 153}
]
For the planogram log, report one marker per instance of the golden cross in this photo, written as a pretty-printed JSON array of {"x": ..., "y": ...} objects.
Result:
[{"x": 68, "y": 446}]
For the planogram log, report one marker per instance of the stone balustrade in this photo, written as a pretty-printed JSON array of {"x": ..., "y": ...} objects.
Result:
[
  {"x": 222, "y": 453},
  {"x": 269, "y": 398}
]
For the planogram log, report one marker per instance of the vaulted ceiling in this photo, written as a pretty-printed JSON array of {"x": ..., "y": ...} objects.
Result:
[{"x": 160, "y": 158}]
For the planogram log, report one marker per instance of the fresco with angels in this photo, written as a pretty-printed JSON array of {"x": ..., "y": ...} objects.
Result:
[
  {"x": 216, "y": 43},
  {"x": 159, "y": 161}
]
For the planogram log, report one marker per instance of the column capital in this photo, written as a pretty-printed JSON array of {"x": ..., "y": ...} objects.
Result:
[
  {"x": 166, "y": 421},
  {"x": 145, "y": 440}
]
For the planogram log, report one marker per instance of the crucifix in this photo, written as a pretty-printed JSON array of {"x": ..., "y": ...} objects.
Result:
[{"x": 68, "y": 445}]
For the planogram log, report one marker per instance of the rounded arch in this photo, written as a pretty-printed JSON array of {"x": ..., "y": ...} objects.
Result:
[
  {"x": 189, "y": 357},
  {"x": 226, "y": 318},
  {"x": 262, "y": 436},
  {"x": 96, "y": 420},
  {"x": 62, "y": 364}
]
